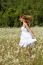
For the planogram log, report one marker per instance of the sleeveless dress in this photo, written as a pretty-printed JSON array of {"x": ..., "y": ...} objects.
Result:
[{"x": 26, "y": 38}]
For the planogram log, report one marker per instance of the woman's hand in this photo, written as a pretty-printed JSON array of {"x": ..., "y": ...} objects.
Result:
[{"x": 33, "y": 36}]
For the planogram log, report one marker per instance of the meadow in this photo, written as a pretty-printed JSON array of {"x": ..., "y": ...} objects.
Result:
[{"x": 12, "y": 54}]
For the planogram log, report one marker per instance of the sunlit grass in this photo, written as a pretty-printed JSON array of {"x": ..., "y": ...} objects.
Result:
[{"x": 12, "y": 54}]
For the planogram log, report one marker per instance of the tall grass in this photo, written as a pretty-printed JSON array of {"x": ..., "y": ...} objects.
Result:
[{"x": 12, "y": 54}]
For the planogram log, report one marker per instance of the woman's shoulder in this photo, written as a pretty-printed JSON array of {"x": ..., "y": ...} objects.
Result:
[{"x": 23, "y": 27}]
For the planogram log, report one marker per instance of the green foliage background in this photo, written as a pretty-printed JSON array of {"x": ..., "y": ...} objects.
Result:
[{"x": 10, "y": 10}]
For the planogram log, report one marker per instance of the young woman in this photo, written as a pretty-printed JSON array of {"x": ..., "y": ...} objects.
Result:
[{"x": 27, "y": 36}]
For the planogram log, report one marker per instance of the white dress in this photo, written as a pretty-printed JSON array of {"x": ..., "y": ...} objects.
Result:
[{"x": 26, "y": 38}]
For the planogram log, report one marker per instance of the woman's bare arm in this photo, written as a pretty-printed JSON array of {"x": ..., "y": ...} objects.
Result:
[{"x": 29, "y": 29}]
